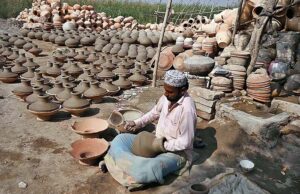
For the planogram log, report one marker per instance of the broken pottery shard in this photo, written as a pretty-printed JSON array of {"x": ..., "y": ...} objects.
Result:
[
  {"x": 22, "y": 185},
  {"x": 206, "y": 93}
]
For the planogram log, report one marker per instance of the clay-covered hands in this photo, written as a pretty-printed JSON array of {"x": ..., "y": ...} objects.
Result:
[{"x": 130, "y": 126}]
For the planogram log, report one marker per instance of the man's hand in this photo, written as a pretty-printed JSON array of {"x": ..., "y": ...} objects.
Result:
[{"x": 130, "y": 126}]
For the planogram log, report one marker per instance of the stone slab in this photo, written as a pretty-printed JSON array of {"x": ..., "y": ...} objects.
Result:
[
  {"x": 206, "y": 93},
  {"x": 205, "y": 115},
  {"x": 200, "y": 100},
  {"x": 285, "y": 106},
  {"x": 204, "y": 108}
]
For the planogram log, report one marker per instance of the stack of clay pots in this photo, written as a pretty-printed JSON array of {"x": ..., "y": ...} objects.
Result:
[
  {"x": 239, "y": 58},
  {"x": 239, "y": 75},
  {"x": 59, "y": 15},
  {"x": 221, "y": 84},
  {"x": 258, "y": 87}
]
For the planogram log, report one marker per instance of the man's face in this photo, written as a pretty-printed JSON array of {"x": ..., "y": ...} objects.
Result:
[{"x": 173, "y": 94}]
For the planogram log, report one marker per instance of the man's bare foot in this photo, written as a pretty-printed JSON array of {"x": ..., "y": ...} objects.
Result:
[{"x": 102, "y": 167}]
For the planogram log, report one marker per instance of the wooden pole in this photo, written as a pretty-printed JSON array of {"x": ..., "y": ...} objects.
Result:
[
  {"x": 237, "y": 21},
  {"x": 160, "y": 42}
]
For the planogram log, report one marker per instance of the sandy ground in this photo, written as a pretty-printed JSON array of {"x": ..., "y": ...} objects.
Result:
[{"x": 38, "y": 152}]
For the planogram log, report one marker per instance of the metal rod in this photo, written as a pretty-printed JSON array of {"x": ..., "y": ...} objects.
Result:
[{"x": 160, "y": 42}]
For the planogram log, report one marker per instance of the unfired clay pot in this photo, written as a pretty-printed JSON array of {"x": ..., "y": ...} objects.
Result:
[
  {"x": 6, "y": 76},
  {"x": 37, "y": 90},
  {"x": 35, "y": 50},
  {"x": 23, "y": 90},
  {"x": 110, "y": 88},
  {"x": 95, "y": 92},
  {"x": 43, "y": 108},
  {"x": 122, "y": 82},
  {"x": 75, "y": 104}
]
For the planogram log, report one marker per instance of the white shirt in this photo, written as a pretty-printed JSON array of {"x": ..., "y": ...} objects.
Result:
[{"x": 176, "y": 125}]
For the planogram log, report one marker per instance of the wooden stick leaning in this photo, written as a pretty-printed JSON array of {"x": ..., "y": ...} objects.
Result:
[{"x": 160, "y": 42}]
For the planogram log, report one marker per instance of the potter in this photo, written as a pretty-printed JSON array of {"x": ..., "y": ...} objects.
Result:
[{"x": 171, "y": 145}]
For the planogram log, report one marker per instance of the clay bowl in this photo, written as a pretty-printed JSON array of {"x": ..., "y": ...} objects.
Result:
[
  {"x": 88, "y": 151},
  {"x": 119, "y": 118},
  {"x": 21, "y": 95},
  {"x": 90, "y": 127},
  {"x": 198, "y": 189}
]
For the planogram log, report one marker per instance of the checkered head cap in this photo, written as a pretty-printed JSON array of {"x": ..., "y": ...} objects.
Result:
[{"x": 175, "y": 78}]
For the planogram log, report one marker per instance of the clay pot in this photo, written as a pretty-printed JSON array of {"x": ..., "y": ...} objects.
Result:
[
  {"x": 83, "y": 86},
  {"x": 39, "y": 35},
  {"x": 21, "y": 59},
  {"x": 37, "y": 90},
  {"x": 178, "y": 62},
  {"x": 69, "y": 26},
  {"x": 65, "y": 94},
  {"x": 72, "y": 53},
  {"x": 166, "y": 59},
  {"x": 46, "y": 36},
  {"x": 108, "y": 64},
  {"x": 95, "y": 92},
  {"x": 92, "y": 58},
  {"x": 105, "y": 73},
  {"x": 76, "y": 105},
  {"x": 58, "y": 88},
  {"x": 72, "y": 42},
  {"x": 121, "y": 70},
  {"x": 122, "y": 82},
  {"x": 137, "y": 78},
  {"x": 41, "y": 82},
  {"x": 81, "y": 57},
  {"x": 8, "y": 51},
  {"x": 60, "y": 40},
  {"x": 7, "y": 76},
  {"x": 18, "y": 68},
  {"x": 13, "y": 56},
  {"x": 177, "y": 49},
  {"x": 88, "y": 151},
  {"x": 89, "y": 127},
  {"x": 29, "y": 63},
  {"x": 198, "y": 64},
  {"x": 74, "y": 70},
  {"x": 19, "y": 43},
  {"x": 43, "y": 108},
  {"x": 223, "y": 38},
  {"x": 59, "y": 56},
  {"x": 24, "y": 90},
  {"x": 12, "y": 39},
  {"x": 110, "y": 88},
  {"x": 24, "y": 32},
  {"x": 54, "y": 71},
  {"x": 29, "y": 74},
  {"x": 35, "y": 50}
]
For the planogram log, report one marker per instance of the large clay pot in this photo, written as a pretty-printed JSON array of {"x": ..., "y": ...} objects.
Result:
[
  {"x": 72, "y": 42},
  {"x": 6, "y": 76},
  {"x": 95, "y": 92},
  {"x": 23, "y": 90},
  {"x": 198, "y": 64},
  {"x": 43, "y": 108},
  {"x": 76, "y": 105},
  {"x": 178, "y": 62},
  {"x": 166, "y": 59}
]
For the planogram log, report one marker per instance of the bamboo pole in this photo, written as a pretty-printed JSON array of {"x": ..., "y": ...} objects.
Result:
[
  {"x": 160, "y": 42},
  {"x": 237, "y": 21}
]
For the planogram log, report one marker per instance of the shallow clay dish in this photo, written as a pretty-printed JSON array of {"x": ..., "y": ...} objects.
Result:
[
  {"x": 89, "y": 127},
  {"x": 88, "y": 151}
]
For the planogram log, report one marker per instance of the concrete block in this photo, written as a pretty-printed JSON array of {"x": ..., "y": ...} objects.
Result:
[
  {"x": 203, "y": 101},
  {"x": 204, "y": 108},
  {"x": 205, "y": 115},
  {"x": 265, "y": 129},
  {"x": 206, "y": 93},
  {"x": 285, "y": 106}
]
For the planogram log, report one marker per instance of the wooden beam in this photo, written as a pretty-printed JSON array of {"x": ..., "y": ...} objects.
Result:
[{"x": 160, "y": 42}]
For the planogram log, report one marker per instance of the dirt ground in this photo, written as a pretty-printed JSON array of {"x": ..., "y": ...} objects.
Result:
[{"x": 37, "y": 153}]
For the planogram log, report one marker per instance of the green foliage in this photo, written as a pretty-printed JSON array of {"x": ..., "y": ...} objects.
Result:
[{"x": 11, "y": 8}]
